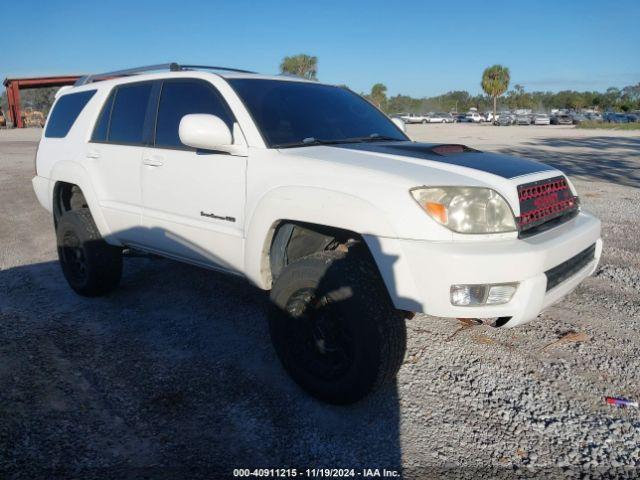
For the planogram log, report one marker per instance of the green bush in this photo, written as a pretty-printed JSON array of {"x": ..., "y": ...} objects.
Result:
[{"x": 609, "y": 126}]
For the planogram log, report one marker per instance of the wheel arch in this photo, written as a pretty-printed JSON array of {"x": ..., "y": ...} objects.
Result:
[
  {"x": 64, "y": 177},
  {"x": 322, "y": 212}
]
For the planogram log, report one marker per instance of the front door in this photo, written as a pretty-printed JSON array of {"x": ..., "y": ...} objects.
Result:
[{"x": 193, "y": 201}]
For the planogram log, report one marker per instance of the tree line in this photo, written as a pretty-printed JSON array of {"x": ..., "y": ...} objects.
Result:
[
  {"x": 495, "y": 84},
  {"x": 625, "y": 99}
]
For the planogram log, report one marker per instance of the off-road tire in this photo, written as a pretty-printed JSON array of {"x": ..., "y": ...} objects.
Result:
[
  {"x": 90, "y": 265},
  {"x": 347, "y": 288}
]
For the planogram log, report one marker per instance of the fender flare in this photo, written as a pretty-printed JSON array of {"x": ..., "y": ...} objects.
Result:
[
  {"x": 320, "y": 206},
  {"x": 72, "y": 172}
]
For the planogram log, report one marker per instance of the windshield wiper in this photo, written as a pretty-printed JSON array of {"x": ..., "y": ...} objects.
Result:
[
  {"x": 311, "y": 141},
  {"x": 375, "y": 137}
]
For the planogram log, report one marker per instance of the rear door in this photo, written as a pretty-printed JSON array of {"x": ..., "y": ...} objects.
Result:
[
  {"x": 193, "y": 200},
  {"x": 114, "y": 155}
]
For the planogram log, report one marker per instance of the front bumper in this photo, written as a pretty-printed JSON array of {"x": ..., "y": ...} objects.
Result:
[{"x": 419, "y": 274}]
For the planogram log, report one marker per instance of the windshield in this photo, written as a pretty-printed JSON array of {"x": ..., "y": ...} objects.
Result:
[{"x": 290, "y": 113}]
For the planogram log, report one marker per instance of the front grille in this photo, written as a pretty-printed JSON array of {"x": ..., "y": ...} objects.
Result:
[
  {"x": 544, "y": 204},
  {"x": 560, "y": 273}
]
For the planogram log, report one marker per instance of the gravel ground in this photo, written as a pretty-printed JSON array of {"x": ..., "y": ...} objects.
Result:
[{"x": 173, "y": 375}]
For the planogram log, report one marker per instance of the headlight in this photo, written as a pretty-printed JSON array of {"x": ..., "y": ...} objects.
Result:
[{"x": 467, "y": 209}]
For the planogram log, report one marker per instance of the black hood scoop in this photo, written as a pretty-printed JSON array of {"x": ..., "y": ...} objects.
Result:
[{"x": 503, "y": 165}]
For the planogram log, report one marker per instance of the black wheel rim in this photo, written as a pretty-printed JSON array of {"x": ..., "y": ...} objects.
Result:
[
  {"x": 74, "y": 257},
  {"x": 318, "y": 336}
]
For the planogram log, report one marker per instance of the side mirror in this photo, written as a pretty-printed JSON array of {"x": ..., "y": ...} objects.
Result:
[
  {"x": 399, "y": 123},
  {"x": 208, "y": 132}
]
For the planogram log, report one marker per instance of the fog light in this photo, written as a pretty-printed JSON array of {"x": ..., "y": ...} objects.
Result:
[
  {"x": 491, "y": 294},
  {"x": 501, "y": 294},
  {"x": 464, "y": 295}
]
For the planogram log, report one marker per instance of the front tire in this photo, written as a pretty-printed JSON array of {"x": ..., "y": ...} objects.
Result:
[
  {"x": 334, "y": 328},
  {"x": 90, "y": 265}
]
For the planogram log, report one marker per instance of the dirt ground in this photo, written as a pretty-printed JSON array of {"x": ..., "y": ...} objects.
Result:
[{"x": 173, "y": 375}]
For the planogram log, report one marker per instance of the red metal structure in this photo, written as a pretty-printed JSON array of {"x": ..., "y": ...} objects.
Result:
[{"x": 14, "y": 85}]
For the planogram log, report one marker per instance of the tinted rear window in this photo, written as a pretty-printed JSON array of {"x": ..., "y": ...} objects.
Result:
[
  {"x": 128, "y": 113},
  {"x": 65, "y": 113},
  {"x": 180, "y": 98}
]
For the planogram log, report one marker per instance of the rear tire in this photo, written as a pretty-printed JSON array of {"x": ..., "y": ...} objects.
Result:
[
  {"x": 334, "y": 328},
  {"x": 90, "y": 265}
]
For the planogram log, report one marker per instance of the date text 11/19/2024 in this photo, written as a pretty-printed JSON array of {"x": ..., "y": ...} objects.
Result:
[{"x": 316, "y": 473}]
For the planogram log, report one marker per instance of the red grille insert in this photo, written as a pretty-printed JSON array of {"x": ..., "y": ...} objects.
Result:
[{"x": 543, "y": 201}]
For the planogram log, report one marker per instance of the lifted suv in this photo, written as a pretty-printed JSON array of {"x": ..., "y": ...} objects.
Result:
[{"x": 308, "y": 191}]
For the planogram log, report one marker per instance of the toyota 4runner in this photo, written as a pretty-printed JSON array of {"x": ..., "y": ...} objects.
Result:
[{"x": 311, "y": 192}]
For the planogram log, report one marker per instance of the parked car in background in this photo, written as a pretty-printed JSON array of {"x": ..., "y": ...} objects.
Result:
[
  {"x": 620, "y": 118},
  {"x": 413, "y": 118},
  {"x": 504, "y": 119},
  {"x": 594, "y": 116},
  {"x": 561, "y": 119},
  {"x": 447, "y": 117},
  {"x": 488, "y": 117},
  {"x": 541, "y": 119},
  {"x": 613, "y": 117},
  {"x": 474, "y": 117},
  {"x": 523, "y": 120},
  {"x": 460, "y": 117},
  {"x": 633, "y": 117},
  {"x": 439, "y": 117},
  {"x": 578, "y": 118}
]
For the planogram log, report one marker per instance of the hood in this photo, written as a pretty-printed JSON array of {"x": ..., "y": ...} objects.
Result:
[
  {"x": 505, "y": 166},
  {"x": 385, "y": 166},
  {"x": 425, "y": 161},
  {"x": 383, "y": 173}
]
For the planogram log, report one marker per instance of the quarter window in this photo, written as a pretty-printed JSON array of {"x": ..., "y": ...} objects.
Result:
[
  {"x": 65, "y": 113},
  {"x": 180, "y": 98},
  {"x": 128, "y": 113}
]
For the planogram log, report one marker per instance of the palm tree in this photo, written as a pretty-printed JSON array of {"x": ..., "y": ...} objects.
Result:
[
  {"x": 378, "y": 94},
  {"x": 301, "y": 65},
  {"x": 495, "y": 81}
]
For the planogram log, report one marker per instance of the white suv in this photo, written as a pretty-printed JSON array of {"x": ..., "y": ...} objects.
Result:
[{"x": 308, "y": 191}]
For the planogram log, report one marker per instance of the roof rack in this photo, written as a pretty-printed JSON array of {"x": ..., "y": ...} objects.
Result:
[{"x": 173, "y": 67}]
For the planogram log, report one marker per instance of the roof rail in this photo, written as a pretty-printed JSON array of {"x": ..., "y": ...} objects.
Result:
[
  {"x": 208, "y": 67},
  {"x": 173, "y": 67}
]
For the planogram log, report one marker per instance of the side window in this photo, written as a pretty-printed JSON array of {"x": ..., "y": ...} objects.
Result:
[
  {"x": 180, "y": 98},
  {"x": 128, "y": 113},
  {"x": 65, "y": 113},
  {"x": 102, "y": 125}
]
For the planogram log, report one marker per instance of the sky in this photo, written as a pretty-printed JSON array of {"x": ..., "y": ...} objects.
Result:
[{"x": 417, "y": 48}]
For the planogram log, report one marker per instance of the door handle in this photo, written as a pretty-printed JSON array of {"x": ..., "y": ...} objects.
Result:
[
  {"x": 93, "y": 154},
  {"x": 152, "y": 161}
]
